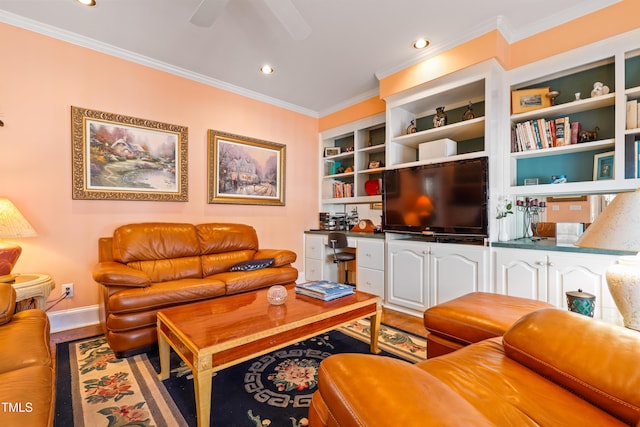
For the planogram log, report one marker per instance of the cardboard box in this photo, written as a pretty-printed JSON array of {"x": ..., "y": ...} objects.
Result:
[{"x": 439, "y": 148}]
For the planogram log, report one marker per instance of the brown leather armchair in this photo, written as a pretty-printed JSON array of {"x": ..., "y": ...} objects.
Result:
[
  {"x": 147, "y": 267},
  {"x": 551, "y": 368},
  {"x": 26, "y": 373}
]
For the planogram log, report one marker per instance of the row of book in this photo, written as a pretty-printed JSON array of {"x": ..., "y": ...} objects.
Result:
[
  {"x": 324, "y": 290},
  {"x": 342, "y": 189},
  {"x": 541, "y": 133}
]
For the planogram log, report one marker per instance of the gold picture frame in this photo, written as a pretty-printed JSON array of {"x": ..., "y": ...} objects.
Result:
[
  {"x": 245, "y": 171},
  {"x": 529, "y": 99},
  {"x": 118, "y": 157}
]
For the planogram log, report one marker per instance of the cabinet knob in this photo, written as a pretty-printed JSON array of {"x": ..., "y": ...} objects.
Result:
[
  {"x": 550, "y": 264},
  {"x": 540, "y": 263}
]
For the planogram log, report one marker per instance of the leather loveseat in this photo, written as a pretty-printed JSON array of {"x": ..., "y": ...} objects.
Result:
[
  {"x": 147, "y": 267},
  {"x": 551, "y": 368},
  {"x": 27, "y": 380}
]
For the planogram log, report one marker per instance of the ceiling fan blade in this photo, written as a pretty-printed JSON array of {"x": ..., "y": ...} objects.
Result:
[
  {"x": 207, "y": 12},
  {"x": 290, "y": 18}
]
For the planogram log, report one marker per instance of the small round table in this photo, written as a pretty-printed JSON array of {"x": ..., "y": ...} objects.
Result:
[{"x": 32, "y": 290}]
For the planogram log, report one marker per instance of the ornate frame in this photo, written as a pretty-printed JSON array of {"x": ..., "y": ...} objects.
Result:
[
  {"x": 107, "y": 166},
  {"x": 245, "y": 171}
]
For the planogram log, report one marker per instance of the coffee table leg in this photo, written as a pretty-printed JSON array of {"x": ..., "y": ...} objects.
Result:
[
  {"x": 374, "y": 323},
  {"x": 164, "y": 352},
  {"x": 202, "y": 387}
]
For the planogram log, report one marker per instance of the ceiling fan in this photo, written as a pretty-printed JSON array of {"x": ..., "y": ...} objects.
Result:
[{"x": 284, "y": 10}]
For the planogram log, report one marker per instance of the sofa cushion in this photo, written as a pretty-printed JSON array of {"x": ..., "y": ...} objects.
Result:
[
  {"x": 242, "y": 281},
  {"x": 154, "y": 241},
  {"x": 165, "y": 294},
  {"x": 163, "y": 270},
  {"x": 253, "y": 264},
  {"x": 219, "y": 263},
  {"x": 25, "y": 341},
  {"x": 32, "y": 389},
  {"x": 215, "y": 238},
  {"x": 508, "y": 393},
  {"x": 419, "y": 399},
  {"x": 594, "y": 359}
]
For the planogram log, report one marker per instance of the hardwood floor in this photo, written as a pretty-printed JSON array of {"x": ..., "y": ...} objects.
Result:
[{"x": 392, "y": 318}]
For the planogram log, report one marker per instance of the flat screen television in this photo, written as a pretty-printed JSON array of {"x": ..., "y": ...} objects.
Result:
[{"x": 446, "y": 199}]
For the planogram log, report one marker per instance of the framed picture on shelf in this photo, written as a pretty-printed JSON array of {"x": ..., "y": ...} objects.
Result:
[
  {"x": 374, "y": 164},
  {"x": 603, "y": 166},
  {"x": 245, "y": 171},
  {"x": 117, "y": 157},
  {"x": 331, "y": 151},
  {"x": 529, "y": 99}
]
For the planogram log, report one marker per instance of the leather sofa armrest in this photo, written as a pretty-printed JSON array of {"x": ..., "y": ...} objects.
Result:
[
  {"x": 7, "y": 302},
  {"x": 281, "y": 256},
  {"x": 116, "y": 274},
  {"x": 367, "y": 390}
]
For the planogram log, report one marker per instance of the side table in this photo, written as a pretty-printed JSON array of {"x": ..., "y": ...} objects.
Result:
[{"x": 32, "y": 290}]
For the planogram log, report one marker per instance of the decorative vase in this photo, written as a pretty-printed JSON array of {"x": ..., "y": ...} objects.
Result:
[
  {"x": 623, "y": 279},
  {"x": 503, "y": 236}
]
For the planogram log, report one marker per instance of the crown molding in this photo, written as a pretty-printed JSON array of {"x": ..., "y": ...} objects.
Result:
[
  {"x": 87, "y": 42},
  {"x": 351, "y": 101}
]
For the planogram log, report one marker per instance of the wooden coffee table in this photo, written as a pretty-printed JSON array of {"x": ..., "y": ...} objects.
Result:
[{"x": 218, "y": 333}]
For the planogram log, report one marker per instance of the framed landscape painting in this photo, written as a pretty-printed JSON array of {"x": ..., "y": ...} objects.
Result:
[
  {"x": 243, "y": 170},
  {"x": 117, "y": 157}
]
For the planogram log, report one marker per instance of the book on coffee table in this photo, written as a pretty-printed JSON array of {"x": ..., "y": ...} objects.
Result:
[{"x": 324, "y": 290}]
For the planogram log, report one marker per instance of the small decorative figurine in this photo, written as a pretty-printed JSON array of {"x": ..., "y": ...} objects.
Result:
[
  {"x": 599, "y": 89},
  {"x": 412, "y": 127},
  {"x": 577, "y": 95},
  {"x": 469, "y": 114},
  {"x": 588, "y": 135},
  {"x": 440, "y": 119},
  {"x": 552, "y": 96}
]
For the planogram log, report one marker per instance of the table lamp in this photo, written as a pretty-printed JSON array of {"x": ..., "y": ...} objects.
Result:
[
  {"x": 13, "y": 225},
  {"x": 618, "y": 228}
]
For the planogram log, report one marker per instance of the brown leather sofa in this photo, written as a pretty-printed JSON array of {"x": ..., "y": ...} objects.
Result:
[
  {"x": 147, "y": 267},
  {"x": 551, "y": 368},
  {"x": 27, "y": 381}
]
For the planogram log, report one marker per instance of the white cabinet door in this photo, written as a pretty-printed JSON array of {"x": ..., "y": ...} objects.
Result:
[
  {"x": 456, "y": 270},
  {"x": 521, "y": 273},
  {"x": 570, "y": 272},
  {"x": 407, "y": 274}
]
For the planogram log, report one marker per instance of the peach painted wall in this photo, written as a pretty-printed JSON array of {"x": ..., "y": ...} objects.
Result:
[
  {"x": 367, "y": 108},
  {"x": 41, "y": 78}
]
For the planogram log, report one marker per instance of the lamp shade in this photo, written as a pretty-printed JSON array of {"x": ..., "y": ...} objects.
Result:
[
  {"x": 13, "y": 225},
  {"x": 617, "y": 227}
]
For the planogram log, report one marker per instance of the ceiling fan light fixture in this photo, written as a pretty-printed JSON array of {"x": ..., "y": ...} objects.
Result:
[
  {"x": 266, "y": 69},
  {"x": 87, "y": 2},
  {"x": 420, "y": 43}
]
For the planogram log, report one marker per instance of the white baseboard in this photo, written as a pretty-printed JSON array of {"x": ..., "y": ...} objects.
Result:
[{"x": 74, "y": 318}]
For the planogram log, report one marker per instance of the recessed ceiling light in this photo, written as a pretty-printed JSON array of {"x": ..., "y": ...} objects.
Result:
[
  {"x": 420, "y": 43},
  {"x": 266, "y": 69},
  {"x": 87, "y": 2}
]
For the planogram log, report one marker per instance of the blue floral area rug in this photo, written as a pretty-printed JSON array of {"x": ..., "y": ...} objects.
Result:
[{"x": 94, "y": 388}]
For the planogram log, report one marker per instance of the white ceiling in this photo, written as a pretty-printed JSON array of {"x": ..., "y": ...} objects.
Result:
[{"x": 352, "y": 43}]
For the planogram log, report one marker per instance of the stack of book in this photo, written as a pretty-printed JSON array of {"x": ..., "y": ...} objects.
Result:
[{"x": 324, "y": 290}]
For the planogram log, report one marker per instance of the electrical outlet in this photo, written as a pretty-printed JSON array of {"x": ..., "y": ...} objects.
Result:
[{"x": 68, "y": 287}]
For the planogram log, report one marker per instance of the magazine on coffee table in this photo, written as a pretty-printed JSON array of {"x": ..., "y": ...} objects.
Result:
[{"x": 324, "y": 289}]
